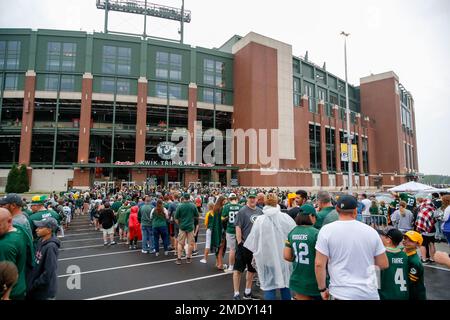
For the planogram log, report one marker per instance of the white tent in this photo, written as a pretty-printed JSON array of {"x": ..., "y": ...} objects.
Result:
[{"x": 413, "y": 187}]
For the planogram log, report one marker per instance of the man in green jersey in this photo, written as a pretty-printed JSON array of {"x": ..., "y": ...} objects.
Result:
[
  {"x": 184, "y": 216},
  {"x": 300, "y": 250},
  {"x": 40, "y": 212},
  {"x": 13, "y": 247},
  {"x": 409, "y": 199},
  {"x": 325, "y": 207},
  {"x": 394, "y": 280},
  {"x": 229, "y": 213},
  {"x": 411, "y": 241}
]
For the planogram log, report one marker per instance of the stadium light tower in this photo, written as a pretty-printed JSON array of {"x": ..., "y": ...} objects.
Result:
[
  {"x": 347, "y": 109},
  {"x": 143, "y": 7}
]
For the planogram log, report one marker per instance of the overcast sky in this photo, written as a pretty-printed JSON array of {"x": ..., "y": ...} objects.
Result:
[{"x": 409, "y": 37}]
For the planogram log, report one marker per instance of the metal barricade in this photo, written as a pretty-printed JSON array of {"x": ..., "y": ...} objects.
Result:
[{"x": 375, "y": 220}]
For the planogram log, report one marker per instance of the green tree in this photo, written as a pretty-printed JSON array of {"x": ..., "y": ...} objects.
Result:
[
  {"x": 12, "y": 181},
  {"x": 24, "y": 183}
]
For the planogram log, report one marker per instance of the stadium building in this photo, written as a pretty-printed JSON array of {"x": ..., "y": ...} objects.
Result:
[{"x": 82, "y": 108}]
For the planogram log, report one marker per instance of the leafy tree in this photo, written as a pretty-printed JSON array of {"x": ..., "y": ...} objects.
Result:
[
  {"x": 12, "y": 181},
  {"x": 24, "y": 183}
]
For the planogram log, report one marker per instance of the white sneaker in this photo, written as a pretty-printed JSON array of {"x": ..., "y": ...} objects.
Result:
[
  {"x": 143, "y": 251},
  {"x": 157, "y": 254},
  {"x": 203, "y": 261},
  {"x": 230, "y": 269}
]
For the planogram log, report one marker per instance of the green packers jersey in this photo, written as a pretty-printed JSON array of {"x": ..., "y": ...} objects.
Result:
[
  {"x": 302, "y": 240},
  {"x": 230, "y": 210},
  {"x": 384, "y": 210},
  {"x": 394, "y": 279},
  {"x": 409, "y": 199},
  {"x": 417, "y": 289}
]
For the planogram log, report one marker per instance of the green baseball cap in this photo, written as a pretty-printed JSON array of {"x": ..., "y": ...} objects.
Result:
[
  {"x": 252, "y": 193},
  {"x": 186, "y": 195},
  {"x": 38, "y": 200},
  {"x": 307, "y": 210}
]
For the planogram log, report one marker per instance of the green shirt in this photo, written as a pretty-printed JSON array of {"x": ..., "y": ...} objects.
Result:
[
  {"x": 122, "y": 214},
  {"x": 116, "y": 206},
  {"x": 384, "y": 210},
  {"x": 321, "y": 215},
  {"x": 158, "y": 220},
  {"x": 409, "y": 199},
  {"x": 374, "y": 210},
  {"x": 394, "y": 205},
  {"x": 40, "y": 215},
  {"x": 394, "y": 280},
  {"x": 331, "y": 217},
  {"x": 186, "y": 212},
  {"x": 302, "y": 240},
  {"x": 417, "y": 289},
  {"x": 13, "y": 247},
  {"x": 230, "y": 211}
]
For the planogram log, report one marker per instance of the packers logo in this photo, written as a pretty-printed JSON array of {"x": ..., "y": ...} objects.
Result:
[
  {"x": 413, "y": 271},
  {"x": 253, "y": 218}
]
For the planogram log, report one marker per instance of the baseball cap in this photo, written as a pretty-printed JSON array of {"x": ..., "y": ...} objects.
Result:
[
  {"x": 11, "y": 198},
  {"x": 47, "y": 222},
  {"x": 252, "y": 194},
  {"x": 232, "y": 195},
  {"x": 394, "y": 234},
  {"x": 186, "y": 195},
  {"x": 347, "y": 202},
  {"x": 38, "y": 199},
  {"x": 415, "y": 237},
  {"x": 307, "y": 210}
]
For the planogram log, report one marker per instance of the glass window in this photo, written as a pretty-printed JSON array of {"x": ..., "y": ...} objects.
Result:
[
  {"x": 69, "y": 56},
  {"x": 208, "y": 96},
  {"x": 213, "y": 73},
  {"x": 107, "y": 85},
  {"x": 296, "y": 66},
  {"x": 123, "y": 60},
  {"x": 175, "y": 66},
  {"x": 123, "y": 86},
  {"x": 309, "y": 91},
  {"x": 116, "y": 60},
  {"x": 61, "y": 56},
  {"x": 2, "y": 53},
  {"x": 162, "y": 65},
  {"x": 330, "y": 149},
  {"x": 168, "y": 65},
  {"x": 175, "y": 91},
  {"x": 13, "y": 55},
  {"x": 322, "y": 94},
  {"x": 51, "y": 82},
  {"x": 67, "y": 83},
  {"x": 11, "y": 81},
  {"x": 297, "y": 94},
  {"x": 314, "y": 147}
]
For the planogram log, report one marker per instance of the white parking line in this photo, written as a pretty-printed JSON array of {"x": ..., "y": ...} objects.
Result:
[
  {"x": 158, "y": 286},
  {"x": 126, "y": 266},
  {"x": 86, "y": 239},
  {"x": 436, "y": 267},
  {"x": 99, "y": 238},
  {"x": 107, "y": 254},
  {"x": 83, "y": 233},
  {"x": 92, "y": 246}
]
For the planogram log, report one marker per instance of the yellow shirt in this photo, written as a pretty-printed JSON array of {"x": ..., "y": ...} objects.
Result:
[{"x": 208, "y": 214}]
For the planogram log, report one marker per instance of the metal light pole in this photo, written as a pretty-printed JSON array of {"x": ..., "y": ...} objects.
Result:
[{"x": 347, "y": 109}]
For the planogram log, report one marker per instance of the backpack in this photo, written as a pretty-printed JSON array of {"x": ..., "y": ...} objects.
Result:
[{"x": 438, "y": 215}]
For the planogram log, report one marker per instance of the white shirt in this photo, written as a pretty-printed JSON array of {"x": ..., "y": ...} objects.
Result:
[
  {"x": 367, "y": 203},
  {"x": 351, "y": 247}
]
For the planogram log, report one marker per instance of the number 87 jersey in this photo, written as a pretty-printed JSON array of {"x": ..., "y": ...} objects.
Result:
[{"x": 394, "y": 282}]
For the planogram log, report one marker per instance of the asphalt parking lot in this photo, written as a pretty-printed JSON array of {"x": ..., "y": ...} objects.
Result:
[{"x": 117, "y": 273}]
